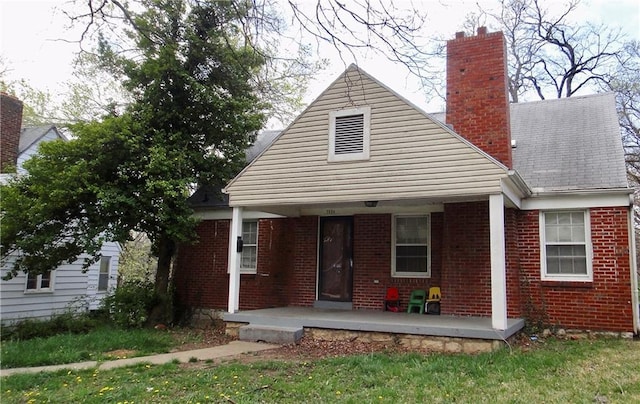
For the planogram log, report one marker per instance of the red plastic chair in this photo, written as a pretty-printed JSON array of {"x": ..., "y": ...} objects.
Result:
[{"x": 392, "y": 300}]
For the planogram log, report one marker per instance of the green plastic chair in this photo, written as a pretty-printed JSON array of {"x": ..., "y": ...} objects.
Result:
[{"x": 417, "y": 300}]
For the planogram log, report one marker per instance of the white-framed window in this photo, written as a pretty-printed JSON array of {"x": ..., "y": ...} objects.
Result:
[
  {"x": 411, "y": 249},
  {"x": 249, "y": 257},
  {"x": 40, "y": 283},
  {"x": 349, "y": 134},
  {"x": 103, "y": 277},
  {"x": 566, "y": 249}
]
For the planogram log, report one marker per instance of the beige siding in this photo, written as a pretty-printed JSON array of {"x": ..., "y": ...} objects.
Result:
[{"x": 410, "y": 157}]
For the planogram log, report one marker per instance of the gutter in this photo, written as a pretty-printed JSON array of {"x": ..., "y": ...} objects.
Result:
[
  {"x": 519, "y": 182},
  {"x": 577, "y": 192}
]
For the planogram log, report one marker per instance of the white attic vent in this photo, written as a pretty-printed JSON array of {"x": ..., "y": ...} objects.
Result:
[{"x": 349, "y": 134}]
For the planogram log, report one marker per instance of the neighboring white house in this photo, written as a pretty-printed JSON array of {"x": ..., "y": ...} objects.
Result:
[{"x": 41, "y": 296}]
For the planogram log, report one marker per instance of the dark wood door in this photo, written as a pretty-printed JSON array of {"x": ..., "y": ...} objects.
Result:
[{"x": 336, "y": 259}]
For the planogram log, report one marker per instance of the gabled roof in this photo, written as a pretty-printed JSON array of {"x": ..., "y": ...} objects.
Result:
[
  {"x": 31, "y": 135},
  {"x": 209, "y": 197},
  {"x": 569, "y": 144},
  {"x": 412, "y": 156}
]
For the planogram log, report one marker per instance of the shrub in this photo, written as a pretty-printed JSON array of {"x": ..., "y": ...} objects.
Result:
[{"x": 129, "y": 305}]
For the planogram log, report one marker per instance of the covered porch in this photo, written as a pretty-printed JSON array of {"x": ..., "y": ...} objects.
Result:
[
  {"x": 466, "y": 256},
  {"x": 465, "y": 327}
]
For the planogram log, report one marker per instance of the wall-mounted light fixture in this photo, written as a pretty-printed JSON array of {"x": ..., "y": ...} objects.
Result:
[{"x": 370, "y": 204}]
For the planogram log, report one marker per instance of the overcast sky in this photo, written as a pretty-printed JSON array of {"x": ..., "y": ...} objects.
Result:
[{"x": 31, "y": 42}]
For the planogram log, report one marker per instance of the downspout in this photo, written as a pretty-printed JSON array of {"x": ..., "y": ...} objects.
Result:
[{"x": 634, "y": 273}]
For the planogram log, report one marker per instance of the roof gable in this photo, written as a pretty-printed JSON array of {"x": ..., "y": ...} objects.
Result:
[
  {"x": 411, "y": 155},
  {"x": 31, "y": 135}
]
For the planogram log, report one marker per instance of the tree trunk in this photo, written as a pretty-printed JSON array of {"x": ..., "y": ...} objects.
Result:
[{"x": 161, "y": 312}]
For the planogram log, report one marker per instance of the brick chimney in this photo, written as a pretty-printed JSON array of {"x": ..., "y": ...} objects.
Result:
[
  {"x": 10, "y": 127},
  {"x": 477, "y": 92}
]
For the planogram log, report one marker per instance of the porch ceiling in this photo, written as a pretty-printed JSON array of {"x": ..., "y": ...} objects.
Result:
[
  {"x": 377, "y": 321},
  {"x": 421, "y": 205}
]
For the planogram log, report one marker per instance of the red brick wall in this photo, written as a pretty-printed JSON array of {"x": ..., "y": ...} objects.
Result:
[
  {"x": 201, "y": 278},
  {"x": 10, "y": 128},
  {"x": 460, "y": 261},
  {"x": 301, "y": 274},
  {"x": 603, "y": 304},
  {"x": 477, "y": 97},
  {"x": 372, "y": 262},
  {"x": 466, "y": 268},
  {"x": 287, "y": 264}
]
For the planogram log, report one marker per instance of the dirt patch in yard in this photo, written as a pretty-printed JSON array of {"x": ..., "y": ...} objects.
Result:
[
  {"x": 207, "y": 337},
  {"x": 120, "y": 354}
]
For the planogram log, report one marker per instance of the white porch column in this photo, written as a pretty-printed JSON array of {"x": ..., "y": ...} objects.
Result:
[
  {"x": 498, "y": 263},
  {"x": 234, "y": 260}
]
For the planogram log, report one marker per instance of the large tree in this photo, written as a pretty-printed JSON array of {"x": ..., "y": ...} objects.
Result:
[
  {"x": 550, "y": 55},
  {"x": 195, "y": 107},
  {"x": 199, "y": 74}
]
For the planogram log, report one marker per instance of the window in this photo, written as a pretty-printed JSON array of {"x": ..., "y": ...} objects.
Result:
[
  {"x": 349, "y": 134},
  {"x": 103, "y": 278},
  {"x": 566, "y": 245},
  {"x": 249, "y": 258},
  {"x": 40, "y": 283},
  {"x": 411, "y": 247}
]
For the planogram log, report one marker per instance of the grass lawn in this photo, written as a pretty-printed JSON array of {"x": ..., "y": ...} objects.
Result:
[
  {"x": 554, "y": 372},
  {"x": 100, "y": 344}
]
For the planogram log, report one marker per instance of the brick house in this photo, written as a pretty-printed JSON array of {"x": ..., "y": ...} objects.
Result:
[{"x": 517, "y": 212}]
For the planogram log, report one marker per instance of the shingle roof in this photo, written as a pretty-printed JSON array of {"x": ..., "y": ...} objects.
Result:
[
  {"x": 208, "y": 197},
  {"x": 263, "y": 140},
  {"x": 568, "y": 144}
]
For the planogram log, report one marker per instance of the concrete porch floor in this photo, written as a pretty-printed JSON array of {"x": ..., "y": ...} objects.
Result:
[{"x": 377, "y": 321}]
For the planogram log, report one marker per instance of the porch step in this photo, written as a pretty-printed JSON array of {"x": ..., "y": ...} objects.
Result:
[
  {"x": 272, "y": 334},
  {"x": 326, "y": 304}
]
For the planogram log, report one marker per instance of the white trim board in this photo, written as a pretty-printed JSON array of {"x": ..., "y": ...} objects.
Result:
[{"x": 576, "y": 201}]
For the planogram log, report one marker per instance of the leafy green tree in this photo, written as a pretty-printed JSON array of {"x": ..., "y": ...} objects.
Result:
[
  {"x": 200, "y": 76},
  {"x": 195, "y": 107}
]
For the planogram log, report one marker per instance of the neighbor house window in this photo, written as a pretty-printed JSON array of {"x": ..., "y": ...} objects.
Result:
[
  {"x": 40, "y": 283},
  {"x": 349, "y": 134},
  {"x": 411, "y": 246},
  {"x": 566, "y": 245},
  {"x": 249, "y": 258},
  {"x": 103, "y": 278}
]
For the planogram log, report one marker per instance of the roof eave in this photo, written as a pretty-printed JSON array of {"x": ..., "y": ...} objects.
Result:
[{"x": 586, "y": 191}]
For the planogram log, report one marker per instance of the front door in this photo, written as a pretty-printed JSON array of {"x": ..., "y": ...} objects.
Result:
[{"x": 336, "y": 259}]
